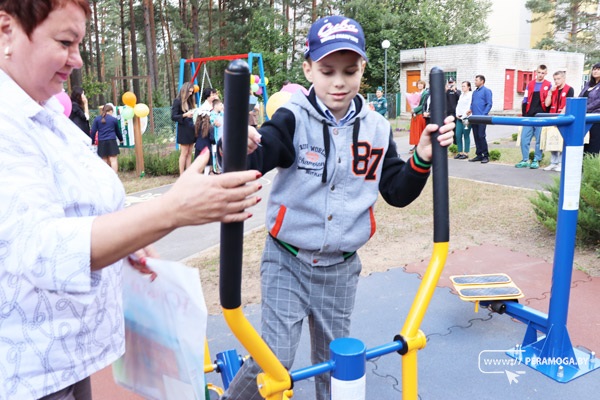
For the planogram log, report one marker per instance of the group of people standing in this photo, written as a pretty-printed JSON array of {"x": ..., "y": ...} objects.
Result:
[
  {"x": 197, "y": 127},
  {"x": 541, "y": 96},
  {"x": 105, "y": 128},
  {"x": 460, "y": 105}
]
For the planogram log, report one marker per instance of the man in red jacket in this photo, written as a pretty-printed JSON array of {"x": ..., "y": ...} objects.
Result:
[
  {"x": 534, "y": 102},
  {"x": 557, "y": 101}
]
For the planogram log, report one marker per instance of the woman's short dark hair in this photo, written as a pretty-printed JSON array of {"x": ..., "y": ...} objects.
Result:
[
  {"x": 31, "y": 13},
  {"x": 206, "y": 93}
]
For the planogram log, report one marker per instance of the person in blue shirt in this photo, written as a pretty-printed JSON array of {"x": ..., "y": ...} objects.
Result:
[
  {"x": 105, "y": 129},
  {"x": 481, "y": 104},
  {"x": 380, "y": 102}
]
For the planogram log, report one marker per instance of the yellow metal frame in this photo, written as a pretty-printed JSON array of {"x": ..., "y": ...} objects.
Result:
[
  {"x": 275, "y": 382},
  {"x": 414, "y": 337}
]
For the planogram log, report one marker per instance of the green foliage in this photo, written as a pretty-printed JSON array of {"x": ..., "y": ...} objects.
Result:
[
  {"x": 495, "y": 155},
  {"x": 588, "y": 223},
  {"x": 156, "y": 164},
  {"x": 532, "y": 155},
  {"x": 157, "y": 161},
  {"x": 453, "y": 149},
  {"x": 410, "y": 24},
  {"x": 575, "y": 26},
  {"x": 515, "y": 136}
]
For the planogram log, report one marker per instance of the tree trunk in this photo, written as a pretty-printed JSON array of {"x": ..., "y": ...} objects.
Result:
[
  {"x": 150, "y": 46},
  {"x": 123, "y": 85},
  {"x": 134, "y": 59},
  {"x": 99, "y": 76},
  {"x": 195, "y": 29}
]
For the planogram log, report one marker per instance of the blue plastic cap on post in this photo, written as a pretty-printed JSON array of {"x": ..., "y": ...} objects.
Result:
[{"x": 349, "y": 356}]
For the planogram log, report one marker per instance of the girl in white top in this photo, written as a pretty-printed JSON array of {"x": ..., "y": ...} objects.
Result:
[{"x": 463, "y": 129}]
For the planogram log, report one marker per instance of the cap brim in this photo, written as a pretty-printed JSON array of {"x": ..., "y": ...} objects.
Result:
[{"x": 326, "y": 50}]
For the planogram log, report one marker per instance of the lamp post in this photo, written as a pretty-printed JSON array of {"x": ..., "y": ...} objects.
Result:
[{"x": 385, "y": 45}]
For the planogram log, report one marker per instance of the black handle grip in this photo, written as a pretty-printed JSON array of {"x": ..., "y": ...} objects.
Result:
[
  {"x": 235, "y": 144},
  {"x": 437, "y": 109},
  {"x": 480, "y": 119}
]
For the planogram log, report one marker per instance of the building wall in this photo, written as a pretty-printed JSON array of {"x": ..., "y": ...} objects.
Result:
[
  {"x": 508, "y": 24},
  {"x": 491, "y": 61}
]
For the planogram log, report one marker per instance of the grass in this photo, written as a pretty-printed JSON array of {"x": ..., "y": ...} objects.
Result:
[{"x": 133, "y": 183}]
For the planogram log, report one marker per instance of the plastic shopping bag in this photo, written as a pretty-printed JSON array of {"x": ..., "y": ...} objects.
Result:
[{"x": 165, "y": 329}]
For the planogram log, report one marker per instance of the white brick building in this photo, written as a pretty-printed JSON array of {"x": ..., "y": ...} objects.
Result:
[{"x": 507, "y": 70}]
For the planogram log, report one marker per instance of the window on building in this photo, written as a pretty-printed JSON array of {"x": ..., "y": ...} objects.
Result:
[
  {"x": 523, "y": 78},
  {"x": 449, "y": 75}
]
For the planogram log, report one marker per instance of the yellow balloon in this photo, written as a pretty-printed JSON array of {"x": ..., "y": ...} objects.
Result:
[
  {"x": 251, "y": 79},
  {"x": 277, "y": 100},
  {"x": 129, "y": 99},
  {"x": 266, "y": 80},
  {"x": 141, "y": 110}
]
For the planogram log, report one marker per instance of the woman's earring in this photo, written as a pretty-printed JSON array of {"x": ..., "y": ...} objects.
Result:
[{"x": 7, "y": 52}]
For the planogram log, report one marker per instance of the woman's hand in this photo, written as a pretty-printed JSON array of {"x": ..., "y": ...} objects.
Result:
[
  {"x": 424, "y": 148},
  {"x": 138, "y": 261},
  {"x": 197, "y": 199}
]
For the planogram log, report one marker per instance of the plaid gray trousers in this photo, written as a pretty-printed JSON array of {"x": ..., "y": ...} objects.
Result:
[{"x": 291, "y": 291}]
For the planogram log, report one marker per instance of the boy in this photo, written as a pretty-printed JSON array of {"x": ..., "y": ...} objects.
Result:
[
  {"x": 534, "y": 102},
  {"x": 334, "y": 156}
]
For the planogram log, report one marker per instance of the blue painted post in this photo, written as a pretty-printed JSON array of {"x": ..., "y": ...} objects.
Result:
[
  {"x": 228, "y": 363},
  {"x": 348, "y": 379}
]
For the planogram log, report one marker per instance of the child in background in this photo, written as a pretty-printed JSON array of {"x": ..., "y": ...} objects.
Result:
[
  {"x": 334, "y": 157},
  {"x": 253, "y": 116},
  {"x": 216, "y": 121}
]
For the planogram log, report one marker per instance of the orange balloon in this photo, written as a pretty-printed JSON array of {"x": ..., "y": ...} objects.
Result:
[
  {"x": 196, "y": 88},
  {"x": 129, "y": 99}
]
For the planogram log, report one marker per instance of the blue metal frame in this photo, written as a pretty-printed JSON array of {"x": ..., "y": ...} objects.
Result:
[{"x": 552, "y": 353}]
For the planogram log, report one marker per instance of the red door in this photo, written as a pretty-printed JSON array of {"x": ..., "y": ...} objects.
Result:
[{"x": 509, "y": 89}]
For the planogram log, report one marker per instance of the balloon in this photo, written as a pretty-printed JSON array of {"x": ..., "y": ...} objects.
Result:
[
  {"x": 129, "y": 99},
  {"x": 259, "y": 91},
  {"x": 251, "y": 79},
  {"x": 127, "y": 112},
  {"x": 65, "y": 102},
  {"x": 266, "y": 80},
  {"x": 141, "y": 110},
  {"x": 254, "y": 87},
  {"x": 277, "y": 100},
  {"x": 293, "y": 88},
  {"x": 256, "y": 78},
  {"x": 196, "y": 88}
]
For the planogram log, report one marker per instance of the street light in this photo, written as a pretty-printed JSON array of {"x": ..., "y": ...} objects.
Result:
[{"x": 385, "y": 45}]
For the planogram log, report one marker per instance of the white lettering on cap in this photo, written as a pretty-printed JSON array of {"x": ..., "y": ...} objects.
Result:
[{"x": 329, "y": 29}]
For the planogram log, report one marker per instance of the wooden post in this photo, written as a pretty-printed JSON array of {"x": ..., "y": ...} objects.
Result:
[{"x": 139, "y": 149}]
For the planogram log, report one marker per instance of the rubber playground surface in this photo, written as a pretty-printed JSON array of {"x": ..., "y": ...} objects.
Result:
[{"x": 451, "y": 366}]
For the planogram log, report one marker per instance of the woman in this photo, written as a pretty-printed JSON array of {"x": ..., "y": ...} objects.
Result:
[
  {"x": 64, "y": 230},
  {"x": 182, "y": 112},
  {"x": 417, "y": 122},
  {"x": 463, "y": 128},
  {"x": 106, "y": 129},
  {"x": 80, "y": 114},
  {"x": 591, "y": 90}
]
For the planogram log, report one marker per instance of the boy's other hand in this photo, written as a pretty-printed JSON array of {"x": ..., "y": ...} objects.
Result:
[
  {"x": 254, "y": 139},
  {"x": 424, "y": 149}
]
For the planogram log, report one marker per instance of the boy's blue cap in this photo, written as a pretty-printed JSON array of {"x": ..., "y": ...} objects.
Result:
[
  {"x": 379, "y": 89},
  {"x": 334, "y": 33}
]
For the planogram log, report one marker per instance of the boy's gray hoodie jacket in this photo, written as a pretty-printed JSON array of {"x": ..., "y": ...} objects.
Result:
[{"x": 329, "y": 177}]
